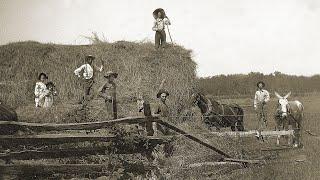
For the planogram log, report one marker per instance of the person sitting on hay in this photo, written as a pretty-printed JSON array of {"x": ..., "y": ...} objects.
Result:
[{"x": 161, "y": 20}]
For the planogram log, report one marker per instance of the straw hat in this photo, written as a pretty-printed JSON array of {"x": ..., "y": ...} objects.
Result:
[{"x": 155, "y": 13}]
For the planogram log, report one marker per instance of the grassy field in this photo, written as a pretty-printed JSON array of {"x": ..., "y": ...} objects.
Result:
[
  {"x": 291, "y": 164},
  {"x": 285, "y": 164}
]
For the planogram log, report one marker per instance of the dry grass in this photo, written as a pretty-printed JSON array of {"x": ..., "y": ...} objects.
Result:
[{"x": 141, "y": 69}]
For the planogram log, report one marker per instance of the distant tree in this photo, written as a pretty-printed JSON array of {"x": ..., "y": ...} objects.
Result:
[{"x": 245, "y": 84}]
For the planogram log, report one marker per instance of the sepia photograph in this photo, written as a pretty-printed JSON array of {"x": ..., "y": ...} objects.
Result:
[{"x": 159, "y": 89}]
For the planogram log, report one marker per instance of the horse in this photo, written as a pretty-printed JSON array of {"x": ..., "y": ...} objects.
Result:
[
  {"x": 219, "y": 115},
  {"x": 289, "y": 113}
]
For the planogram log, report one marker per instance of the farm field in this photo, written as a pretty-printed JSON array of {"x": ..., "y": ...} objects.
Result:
[
  {"x": 187, "y": 157},
  {"x": 294, "y": 164}
]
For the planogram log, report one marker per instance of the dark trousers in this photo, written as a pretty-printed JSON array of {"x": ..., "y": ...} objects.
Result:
[
  {"x": 87, "y": 85},
  {"x": 160, "y": 39}
]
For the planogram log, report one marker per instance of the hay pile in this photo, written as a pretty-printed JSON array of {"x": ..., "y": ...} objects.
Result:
[{"x": 141, "y": 69}]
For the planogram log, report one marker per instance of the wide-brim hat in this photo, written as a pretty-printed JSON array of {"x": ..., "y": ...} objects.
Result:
[
  {"x": 90, "y": 57},
  {"x": 110, "y": 73},
  {"x": 261, "y": 82},
  {"x": 155, "y": 12},
  {"x": 162, "y": 91}
]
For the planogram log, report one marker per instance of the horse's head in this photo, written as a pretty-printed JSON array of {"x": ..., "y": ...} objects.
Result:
[{"x": 283, "y": 104}]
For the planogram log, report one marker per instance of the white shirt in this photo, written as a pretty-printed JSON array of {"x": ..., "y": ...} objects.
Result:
[
  {"x": 159, "y": 24},
  {"x": 40, "y": 89},
  {"x": 260, "y": 97},
  {"x": 87, "y": 71}
]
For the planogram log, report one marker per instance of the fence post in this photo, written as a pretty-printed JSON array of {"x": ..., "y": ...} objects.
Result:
[
  {"x": 114, "y": 108},
  {"x": 147, "y": 113}
]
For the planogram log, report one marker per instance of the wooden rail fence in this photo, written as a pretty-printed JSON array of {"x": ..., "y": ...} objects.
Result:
[{"x": 9, "y": 139}]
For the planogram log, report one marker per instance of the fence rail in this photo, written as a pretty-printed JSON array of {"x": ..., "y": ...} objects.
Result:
[
  {"x": 55, "y": 139},
  {"x": 40, "y": 127},
  {"x": 26, "y": 170}
]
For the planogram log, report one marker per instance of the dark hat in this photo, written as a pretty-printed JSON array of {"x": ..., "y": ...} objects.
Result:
[
  {"x": 261, "y": 82},
  {"x": 110, "y": 73},
  {"x": 155, "y": 13},
  {"x": 162, "y": 91},
  {"x": 42, "y": 74},
  {"x": 90, "y": 57}
]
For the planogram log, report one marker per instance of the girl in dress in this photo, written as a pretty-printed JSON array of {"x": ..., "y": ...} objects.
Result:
[{"x": 40, "y": 89}]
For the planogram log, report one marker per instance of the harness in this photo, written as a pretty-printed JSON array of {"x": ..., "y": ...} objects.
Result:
[{"x": 220, "y": 117}]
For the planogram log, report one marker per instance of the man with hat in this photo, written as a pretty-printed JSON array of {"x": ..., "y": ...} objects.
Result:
[
  {"x": 88, "y": 75},
  {"x": 260, "y": 100},
  {"x": 161, "y": 20},
  {"x": 162, "y": 109},
  {"x": 108, "y": 92}
]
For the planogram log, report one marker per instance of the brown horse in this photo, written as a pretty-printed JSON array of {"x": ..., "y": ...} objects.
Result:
[{"x": 219, "y": 115}]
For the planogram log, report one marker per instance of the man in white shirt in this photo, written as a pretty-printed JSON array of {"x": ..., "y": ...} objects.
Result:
[
  {"x": 161, "y": 20},
  {"x": 260, "y": 101},
  {"x": 88, "y": 75}
]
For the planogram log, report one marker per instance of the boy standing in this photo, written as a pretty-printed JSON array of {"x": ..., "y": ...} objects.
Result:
[
  {"x": 161, "y": 20},
  {"x": 109, "y": 92},
  {"x": 88, "y": 76}
]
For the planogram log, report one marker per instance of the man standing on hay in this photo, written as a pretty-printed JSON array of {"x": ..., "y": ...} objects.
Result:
[
  {"x": 108, "y": 92},
  {"x": 260, "y": 101},
  {"x": 88, "y": 76},
  {"x": 161, "y": 20}
]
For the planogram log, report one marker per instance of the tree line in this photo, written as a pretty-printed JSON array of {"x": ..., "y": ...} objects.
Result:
[{"x": 245, "y": 84}]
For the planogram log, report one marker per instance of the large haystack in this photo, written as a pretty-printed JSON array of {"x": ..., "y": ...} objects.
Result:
[{"x": 141, "y": 69}]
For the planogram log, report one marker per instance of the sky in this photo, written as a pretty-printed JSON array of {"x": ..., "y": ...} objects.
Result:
[{"x": 226, "y": 36}]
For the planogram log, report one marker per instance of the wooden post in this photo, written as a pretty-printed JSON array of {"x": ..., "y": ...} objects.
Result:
[
  {"x": 114, "y": 108},
  {"x": 148, "y": 123}
]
